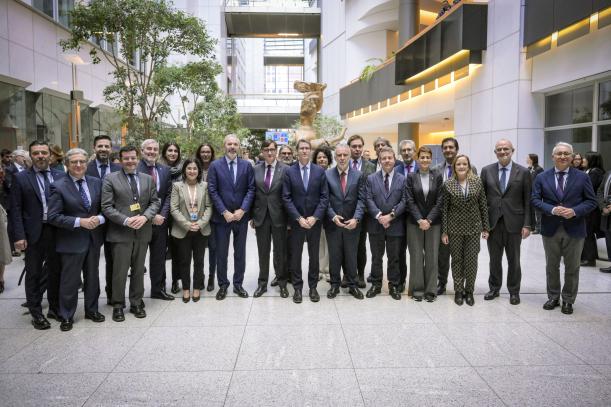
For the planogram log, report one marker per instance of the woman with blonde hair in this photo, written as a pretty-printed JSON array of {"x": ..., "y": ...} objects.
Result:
[{"x": 465, "y": 217}]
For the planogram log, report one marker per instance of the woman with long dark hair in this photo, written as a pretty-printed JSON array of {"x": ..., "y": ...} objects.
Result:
[
  {"x": 532, "y": 162},
  {"x": 204, "y": 155},
  {"x": 593, "y": 166}
]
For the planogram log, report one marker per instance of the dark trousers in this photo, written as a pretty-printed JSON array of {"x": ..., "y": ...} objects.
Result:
[
  {"x": 288, "y": 272},
  {"x": 499, "y": 241},
  {"x": 380, "y": 243},
  {"x": 443, "y": 264},
  {"x": 298, "y": 236},
  {"x": 403, "y": 261},
  {"x": 192, "y": 246},
  {"x": 557, "y": 247},
  {"x": 108, "y": 259},
  {"x": 361, "y": 253},
  {"x": 342, "y": 245},
  {"x": 464, "y": 249},
  {"x": 158, "y": 247},
  {"x": 128, "y": 255},
  {"x": 608, "y": 244},
  {"x": 222, "y": 232},
  {"x": 266, "y": 234},
  {"x": 173, "y": 251},
  {"x": 590, "y": 248},
  {"x": 42, "y": 270},
  {"x": 211, "y": 254},
  {"x": 70, "y": 281}
]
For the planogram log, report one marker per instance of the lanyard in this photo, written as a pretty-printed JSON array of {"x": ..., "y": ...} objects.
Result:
[{"x": 192, "y": 199}]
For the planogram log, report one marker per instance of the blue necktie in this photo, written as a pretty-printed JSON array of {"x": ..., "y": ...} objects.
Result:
[
  {"x": 81, "y": 190},
  {"x": 231, "y": 171},
  {"x": 103, "y": 170},
  {"x": 503, "y": 179},
  {"x": 306, "y": 178},
  {"x": 560, "y": 187}
]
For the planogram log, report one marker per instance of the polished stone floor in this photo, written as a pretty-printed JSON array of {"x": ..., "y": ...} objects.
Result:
[{"x": 269, "y": 351}]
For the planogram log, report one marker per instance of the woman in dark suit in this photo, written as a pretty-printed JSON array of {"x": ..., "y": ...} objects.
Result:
[
  {"x": 465, "y": 216},
  {"x": 191, "y": 209},
  {"x": 532, "y": 161},
  {"x": 593, "y": 164},
  {"x": 423, "y": 198}
]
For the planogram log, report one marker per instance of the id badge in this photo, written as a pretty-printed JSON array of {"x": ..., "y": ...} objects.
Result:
[
  {"x": 135, "y": 207},
  {"x": 193, "y": 217}
]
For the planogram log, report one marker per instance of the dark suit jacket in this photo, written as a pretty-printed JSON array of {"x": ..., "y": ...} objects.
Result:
[
  {"x": 464, "y": 215},
  {"x": 26, "y": 205},
  {"x": 349, "y": 206},
  {"x": 578, "y": 195},
  {"x": 514, "y": 204},
  {"x": 227, "y": 196},
  {"x": 92, "y": 169},
  {"x": 380, "y": 202},
  {"x": 403, "y": 167},
  {"x": 440, "y": 168},
  {"x": 603, "y": 201},
  {"x": 269, "y": 201},
  {"x": 417, "y": 206},
  {"x": 299, "y": 202},
  {"x": 164, "y": 193},
  {"x": 65, "y": 205}
]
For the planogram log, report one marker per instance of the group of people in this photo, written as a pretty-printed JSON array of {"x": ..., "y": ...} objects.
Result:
[{"x": 157, "y": 202}]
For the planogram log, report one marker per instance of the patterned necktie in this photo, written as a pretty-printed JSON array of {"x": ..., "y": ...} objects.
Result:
[
  {"x": 268, "y": 177},
  {"x": 355, "y": 165},
  {"x": 306, "y": 178},
  {"x": 386, "y": 185},
  {"x": 342, "y": 182},
  {"x": 103, "y": 168},
  {"x": 134, "y": 186},
  {"x": 503, "y": 179},
  {"x": 81, "y": 190},
  {"x": 560, "y": 186},
  {"x": 232, "y": 171},
  {"x": 408, "y": 167},
  {"x": 153, "y": 174}
]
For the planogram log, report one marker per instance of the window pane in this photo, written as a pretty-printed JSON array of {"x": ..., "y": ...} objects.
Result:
[
  {"x": 46, "y": 6},
  {"x": 63, "y": 10},
  {"x": 580, "y": 138},
  {"x": 574, "y": 106},
  {"x": 604, "y": 112},
  {"x": 582, "y": 104}
]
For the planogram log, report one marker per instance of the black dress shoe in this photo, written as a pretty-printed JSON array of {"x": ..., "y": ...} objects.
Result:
[
  {"x": 417, "y": 298},
  {"x": 142, "y": 304},
  {"x": 430, "y": 297},
  {"x": 514, "y": 299},
  {"x": 53, "y": 315},
  {"x": 240, "y": 291},
  {"x": 117, "y": 315},
  {"x": 221, "y": 293},
  {"x": 274, "y": 282},
  {"x": 138, "y": 311},
  {"x": 605, "y": 269},
  {"x": 441, "y": 289},
  {"x": 95, "y": 316},
  {"x": 66, "y": 325},
  {"x": 260, "y": 291},
  {"x": 362, "y": 283},
  {"x": 490, "y": 295},
  {"x": 41, "y": 323},
  {"x": 356, "y": 293},
  {"x": 162, "y": 295},
  {"x": 210, "y": 287},
  {"x": 551, "y": 304},
  {"x": 284, "y": 292},
  {"x": 175, "y": 289},
  {"x": 588, "y": 263},
  {"x": 195, "y": 299},
  {"x": 373, "y": 291},
  {"x": 24, "y": 304},
  {"x": 567, "y": 308},
  {"x": 314, "y": 297},
  {"x": 469, "y": 299},
  {"x": 333, "y": 291},
  {"x": 344, "y": 283},
  {"x": 297, "y": 297},
  {"x": 369, "y": 280},
  {"x": 458, "y": 299},
  {"x": 394, "y": 292}
]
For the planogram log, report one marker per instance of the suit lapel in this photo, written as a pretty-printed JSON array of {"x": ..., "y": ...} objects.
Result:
[
  {"x": 34, "y": 182},
  {"x": 497, "y": 181},
  {"x": 551, "y": 180},
  {"x": 512, "y": 176},
  {"x": 276, "y": 178},
  {"x": 570, "y": 181}
]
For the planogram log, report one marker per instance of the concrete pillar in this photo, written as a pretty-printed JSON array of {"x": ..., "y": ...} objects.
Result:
[
  {"x": 409, "y": 19},
  {"x": 408, "y": 131}
]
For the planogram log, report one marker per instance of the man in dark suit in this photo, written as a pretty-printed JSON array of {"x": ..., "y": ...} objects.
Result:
[
  {"x": 269, "y": 217},
  {"x": 99, "y": 168},
  {"x": 159, "y": 240},
  {"x": 386, "y": 205},
  {"x": 306, "y": 196},
  {"x": 565, "y": 196},
  {"x": 75, "y": 209},
  {"x": 129, "y": 203},
  {"x": 508, "y": 189},
  {"x": 604, "y": 203},
  {"x": 358, "y": 163},
  {"x": 407, "y": 149},
  {"x": 449, "y": 148},
  {"x": 231, "y": 183},
  {"x": 343, "y": 221},
  {"x": 30, "y": 193}
]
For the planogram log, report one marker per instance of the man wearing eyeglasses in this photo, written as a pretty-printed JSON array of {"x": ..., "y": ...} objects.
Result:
[
  {"x": 508, "y": 188},
  {"x": 565, "y": 196}
]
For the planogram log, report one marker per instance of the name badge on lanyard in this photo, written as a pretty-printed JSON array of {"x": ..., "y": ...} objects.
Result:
[
  {"x": 135, "y": 207},
  {"x": 193, "y": 207}
]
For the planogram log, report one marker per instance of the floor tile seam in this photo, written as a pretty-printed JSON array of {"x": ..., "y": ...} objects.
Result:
[
  {"x": 144, "y": 331},
  {"x": 96, "y": 389},
  {"x": 356, "y": 377},
  {"x": 235, "y": 363},
  {"x": 45, "y": 333}
]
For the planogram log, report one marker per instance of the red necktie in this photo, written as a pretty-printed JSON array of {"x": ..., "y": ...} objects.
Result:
[
  {"x": 153, "y": 174},
  {"x": 342, "y": 181}
]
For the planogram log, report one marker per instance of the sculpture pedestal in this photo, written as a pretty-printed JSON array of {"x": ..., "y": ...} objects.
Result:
[{"x": 308, "y": 133}]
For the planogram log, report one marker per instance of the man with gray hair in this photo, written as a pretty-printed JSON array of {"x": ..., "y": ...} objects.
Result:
[
  {"x": 565, "y": 196},
  {"x": 75, "y": 209}
]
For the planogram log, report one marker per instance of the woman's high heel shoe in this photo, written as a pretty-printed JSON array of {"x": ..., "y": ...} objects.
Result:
[{"x": 186, "y": 299}]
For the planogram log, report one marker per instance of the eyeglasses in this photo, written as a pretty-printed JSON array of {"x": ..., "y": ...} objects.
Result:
[
  {"x": 79, "y": 162},
  {"x": 563, "y": 154},
  {"x": 502, "y": 149},
  {"x": 270, "y": 150}
]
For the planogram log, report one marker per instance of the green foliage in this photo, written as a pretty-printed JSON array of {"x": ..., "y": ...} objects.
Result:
[
  {"x": 327, "y": 127},
  {"x": 148, "y": 31},
  {"x": 252, "y": 139},
  {"x": 214, "y": 118},
  {"x": 369, "y": 70}
]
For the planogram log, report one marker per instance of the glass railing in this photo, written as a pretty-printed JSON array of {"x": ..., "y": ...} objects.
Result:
[{"x": 273, "y": 3}]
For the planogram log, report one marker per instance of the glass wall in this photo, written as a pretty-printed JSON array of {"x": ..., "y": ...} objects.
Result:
[
  {"x": 280, "y": 78},
  {"x": 58, "y": 10},
  {"x": 12, "y": 116}
]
